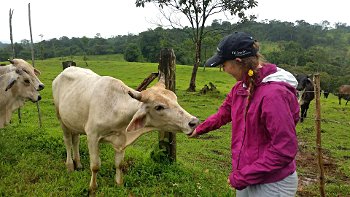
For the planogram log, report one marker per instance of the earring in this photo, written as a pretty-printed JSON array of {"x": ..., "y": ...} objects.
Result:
[{"x": 250, "y": 72}]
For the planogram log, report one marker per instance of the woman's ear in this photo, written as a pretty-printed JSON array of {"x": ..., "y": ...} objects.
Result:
[{"x": 238, "y": 60}]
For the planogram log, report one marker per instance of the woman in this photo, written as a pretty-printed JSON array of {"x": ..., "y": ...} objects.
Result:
[{"x": 264, "y": 111}]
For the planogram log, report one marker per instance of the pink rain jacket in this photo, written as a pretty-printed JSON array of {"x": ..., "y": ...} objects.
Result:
[{"x": 264, "y": 143}]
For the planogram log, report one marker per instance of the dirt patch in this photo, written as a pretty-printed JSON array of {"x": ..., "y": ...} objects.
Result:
[{"x": 307, "y": 163}]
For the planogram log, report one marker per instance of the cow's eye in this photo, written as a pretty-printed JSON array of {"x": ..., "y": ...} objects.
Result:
[
  {"x": 159, "y": 107},
  {"x": 26, "y": 81}
]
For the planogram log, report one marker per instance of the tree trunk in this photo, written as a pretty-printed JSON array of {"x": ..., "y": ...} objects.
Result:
[
  {"x": 192, "y": 87},
  {"x": 167, "y": 140}
]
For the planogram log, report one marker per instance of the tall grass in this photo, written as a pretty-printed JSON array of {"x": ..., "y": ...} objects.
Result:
[{"x": 32, "y": 158}]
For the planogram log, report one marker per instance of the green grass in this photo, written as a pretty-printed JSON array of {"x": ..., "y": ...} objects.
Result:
[{"x": 32, "y": 158}]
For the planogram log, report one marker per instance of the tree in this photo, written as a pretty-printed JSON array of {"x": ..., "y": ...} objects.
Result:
[
  {"x": 99, "y": 45},
  {"x": 150, "y": 44},
  {"x": 292, "y": 53},
  {"x": 132, "y": 53},
  {"x": 84, "y": 42},
  {"x": 197, "y": 14}
]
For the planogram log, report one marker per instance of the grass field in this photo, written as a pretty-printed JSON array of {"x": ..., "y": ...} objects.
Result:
[{"x": 32, "y": 158}]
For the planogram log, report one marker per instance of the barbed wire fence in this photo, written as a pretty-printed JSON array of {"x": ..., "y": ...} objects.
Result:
[
  {"x": 317, "y": 90},
  {"x": 318, "y": 120},
  {"x": 326, "y": 121}
]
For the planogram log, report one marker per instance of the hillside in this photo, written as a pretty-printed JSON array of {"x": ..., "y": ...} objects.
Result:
[{"x": 300, "y": 47}]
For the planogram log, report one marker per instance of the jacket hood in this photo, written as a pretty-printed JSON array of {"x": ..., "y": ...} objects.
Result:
[{"x": 281, "y": 76}]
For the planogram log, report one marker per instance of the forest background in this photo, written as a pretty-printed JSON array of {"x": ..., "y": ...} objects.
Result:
[{"x": 299, "y": 47}]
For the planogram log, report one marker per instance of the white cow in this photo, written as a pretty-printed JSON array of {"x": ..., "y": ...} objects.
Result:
[
  {"x": 105, "y": 109},
  {"x": 18, "y": 83}
]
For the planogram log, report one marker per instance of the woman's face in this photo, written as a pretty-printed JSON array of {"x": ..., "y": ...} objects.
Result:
[{"x": 233, "y": 68}]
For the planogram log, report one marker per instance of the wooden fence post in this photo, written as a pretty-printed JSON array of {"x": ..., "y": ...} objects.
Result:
[
  {"x": 67, "y": 64},
  {"x": 167, "y": 140},
  {"x": 318, "y": 132},
  {"x": 11, "y": 37},
  {"x": 33, "y": 59},
  {"x": 13, "y": 54},
  {"x": 147, "y": 81}
]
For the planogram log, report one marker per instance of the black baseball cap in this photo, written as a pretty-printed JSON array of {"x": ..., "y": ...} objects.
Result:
[{"x": 235, "y": 45}]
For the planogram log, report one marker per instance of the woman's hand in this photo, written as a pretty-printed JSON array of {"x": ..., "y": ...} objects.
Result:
[{"x": 194, "y": 134}]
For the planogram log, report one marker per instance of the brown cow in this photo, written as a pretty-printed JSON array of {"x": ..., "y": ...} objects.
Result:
[
  {"x": 344, "y": 92},
  {"x": 105, "y": 109}
]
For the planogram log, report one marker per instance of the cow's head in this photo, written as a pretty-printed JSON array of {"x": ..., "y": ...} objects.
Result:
[
  {"x": 21, "y": 84},
  {"x": 31, "y": 72},
  {"x": 303, "y": 81},
  {"x": 161, "y": 111}
]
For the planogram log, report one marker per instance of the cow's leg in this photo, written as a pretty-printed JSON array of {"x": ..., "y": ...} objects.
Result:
[
  {"x": 302, "y": 113},
  {"x": 119, "y": 142},
  {"x": 67, "y": 137},
  {"x": 119, "y": 157},
  {"x": 76, "y": 155},
  {"x": 306, "y": 109},
  {"x": 305, "y": 113},
  {"x": 95, "y": 162},
  {"x": 339, "y": 98}
]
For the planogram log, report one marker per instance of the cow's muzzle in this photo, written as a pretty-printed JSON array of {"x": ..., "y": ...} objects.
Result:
[
  {"x": 41, "y": 87},
  {"x": 36, "y": 100},
  {"x": 193, "y": 123}
]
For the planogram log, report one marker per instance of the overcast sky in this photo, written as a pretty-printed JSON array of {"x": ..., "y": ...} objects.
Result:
[{"x": 78, "y": 18}]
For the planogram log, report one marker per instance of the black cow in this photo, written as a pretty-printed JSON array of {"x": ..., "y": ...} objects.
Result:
[
  {"x": 306, "y": 87},
  {"x": 325, "y": 93},
  {"x": 325, "y": 88},
  {"x": 344, "y": 92}
]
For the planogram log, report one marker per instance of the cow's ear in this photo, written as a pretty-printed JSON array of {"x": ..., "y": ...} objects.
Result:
[
  {"x": 11, "y": 80},
  {"x": 8, "y": 80},
  {"x": 10, "y": 83},
  {"x": 138, "y": 121},
  {"x": 37, "y": 72}
]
